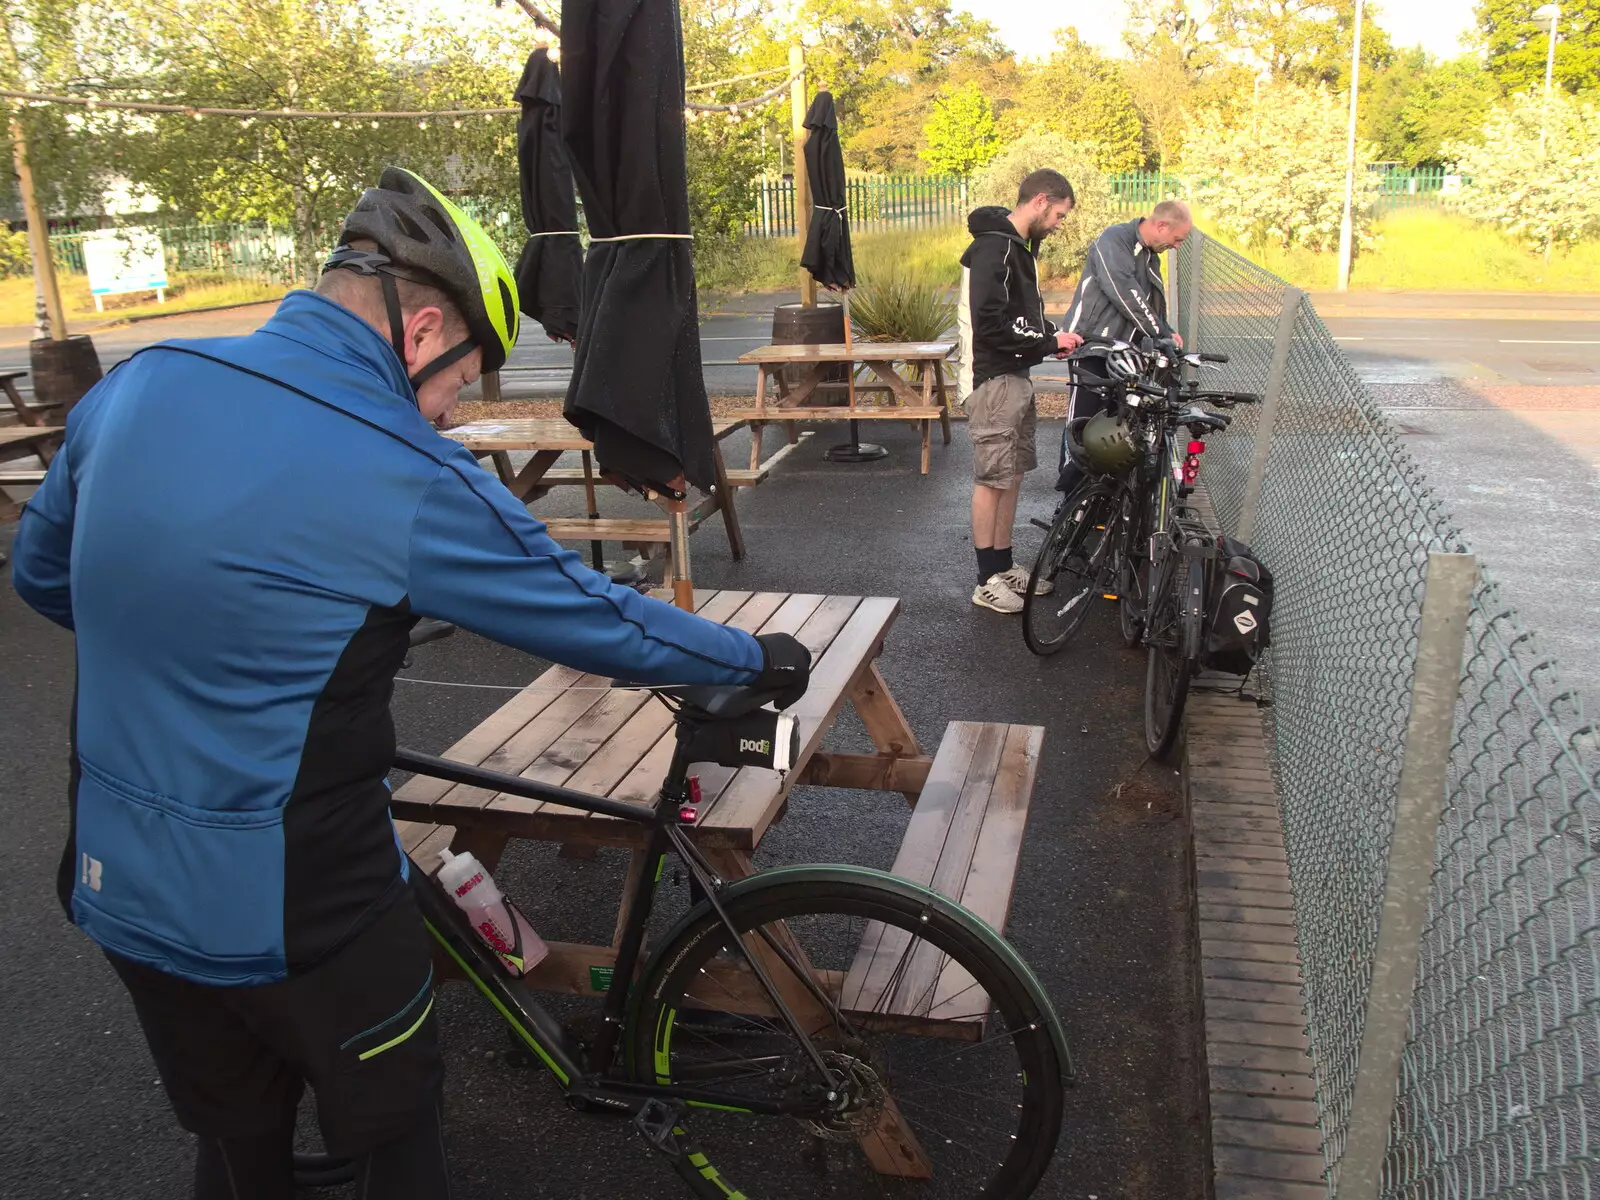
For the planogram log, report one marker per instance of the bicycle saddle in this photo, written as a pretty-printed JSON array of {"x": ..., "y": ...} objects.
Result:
[{"x": 726, "y": 703}]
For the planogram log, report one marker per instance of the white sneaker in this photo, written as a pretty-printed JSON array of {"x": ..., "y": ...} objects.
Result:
[
  {"x": 997, "y": 596},
  {"x": 1017, "y": 580}
]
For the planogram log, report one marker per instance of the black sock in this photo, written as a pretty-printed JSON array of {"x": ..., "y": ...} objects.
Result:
[
  {"x": 1002, "y": 558},
  {"x": 986, "y": 567}
]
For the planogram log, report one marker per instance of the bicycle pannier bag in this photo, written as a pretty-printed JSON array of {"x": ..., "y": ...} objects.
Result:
[{"x": 1239, "y": 610}]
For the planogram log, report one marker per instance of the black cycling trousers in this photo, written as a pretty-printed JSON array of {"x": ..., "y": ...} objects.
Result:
[
  {"x": 1083, "y": 402},
  {"x": 358, "y": 1028}
]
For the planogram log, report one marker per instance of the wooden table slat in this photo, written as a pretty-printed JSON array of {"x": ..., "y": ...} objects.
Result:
[
  {"x": 532, "y": 433},
  {"x": 26, "y": 434},
  {"x": 855, "y": 352}
]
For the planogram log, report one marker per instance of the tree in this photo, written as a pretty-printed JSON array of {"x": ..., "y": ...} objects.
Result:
[
  {"x": 1516, "y": 45},
  {"x": 49, "y": 46},
  {"x": 271, "y": 54},
  {"x": 1416, "y": 105},
  {"x": 1079, "y": 93},
  {"x": 1541, "y": 199},
  {"x": 1063, "y": 252},
  {"x": 1162, "y": 89},
  {"x": 889, "y": 130},
  {"x": 1303, "y": 41},
  {"x": 1278, "y": 176},
  {"x": 961, "y": 134}
]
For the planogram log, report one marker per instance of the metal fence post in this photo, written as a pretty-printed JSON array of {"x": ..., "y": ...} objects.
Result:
[
  {"x": 1174, "y": 309},
  {"x": 1419, "y": 799},
  {"x": 1277, "y": 374},
  {"x": 1197, "y": 270}
]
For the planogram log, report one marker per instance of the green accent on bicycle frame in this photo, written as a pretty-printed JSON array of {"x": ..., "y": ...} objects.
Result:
[
  {"x": 600, "y": 978},
  {"x": 698, "y": 1162},
  {"x": 505, "y": 1012},
  {"x": 719, "y": 1107},
  {"x": 669, "y": 1016},
  {"x": 661, "y": 865},
  {"x": 395, "y": 1041}
]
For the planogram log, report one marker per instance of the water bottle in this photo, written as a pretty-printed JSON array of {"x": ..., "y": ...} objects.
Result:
[{"x": 490, "y": 913}]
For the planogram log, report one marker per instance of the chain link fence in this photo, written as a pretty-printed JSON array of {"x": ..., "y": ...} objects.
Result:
[{"x": 1498, "y": 1093}]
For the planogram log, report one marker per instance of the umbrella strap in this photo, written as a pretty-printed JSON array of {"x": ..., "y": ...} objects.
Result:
[
  {"x": 634, "y": 237},
  {"x": 830, "y": 208},
  {"x": 556, "y": 233}
]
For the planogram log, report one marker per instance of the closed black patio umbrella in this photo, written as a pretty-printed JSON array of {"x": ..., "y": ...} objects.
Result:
[
  {"x": 827, "y": 252},
  {"x": 550, "y": 271},
  {"x": 637, "y": 388}
]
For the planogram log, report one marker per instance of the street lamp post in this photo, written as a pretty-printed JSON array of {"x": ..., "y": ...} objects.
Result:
[
  {"x": 1346, "y": 224},
  {"x": 1552, "y": 13}
]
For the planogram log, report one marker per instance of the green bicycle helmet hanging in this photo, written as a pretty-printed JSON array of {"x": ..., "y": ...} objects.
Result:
[
  {"x": 1102, "y": 444},
  {"x": 426, "y": 239}
]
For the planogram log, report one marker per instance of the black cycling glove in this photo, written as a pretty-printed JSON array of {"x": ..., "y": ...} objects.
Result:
[{"x": 786, "y": 664}]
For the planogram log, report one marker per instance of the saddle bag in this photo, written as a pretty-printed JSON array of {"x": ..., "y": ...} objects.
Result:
[{"x": 1239, "y": 609}]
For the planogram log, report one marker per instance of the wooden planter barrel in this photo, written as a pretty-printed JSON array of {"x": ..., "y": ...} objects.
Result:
[
  {"x": 796, "y": 325},
  {"x": 63, "y": 371}
]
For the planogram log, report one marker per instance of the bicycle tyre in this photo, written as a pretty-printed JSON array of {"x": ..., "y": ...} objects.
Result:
[
  {"x": 1047, "y": 623},
  {"x": 1172, "y": 656},
  {"x": 791, "y": 1155}
]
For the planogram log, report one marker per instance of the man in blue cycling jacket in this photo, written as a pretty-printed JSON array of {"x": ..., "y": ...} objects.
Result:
[{"x": 241, "y": 532}]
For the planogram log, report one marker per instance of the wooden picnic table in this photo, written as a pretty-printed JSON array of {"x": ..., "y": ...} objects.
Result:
[
  {"x": 25, "y": 441},
  {"x": 881, "y": 359},
  {"x": 548, "y": 439},
  {"x": 573, "y": 730}
]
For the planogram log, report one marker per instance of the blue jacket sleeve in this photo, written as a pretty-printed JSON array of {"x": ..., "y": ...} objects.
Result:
[
  {"x": 480, "y": 560},
  {"x": 41, "y": 555}
]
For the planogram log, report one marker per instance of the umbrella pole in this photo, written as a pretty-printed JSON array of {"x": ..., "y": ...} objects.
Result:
[
  {"x": 682, "y": 584},
  {"x": 596, "y": 552},
  {"x": 854, "y": 451}
]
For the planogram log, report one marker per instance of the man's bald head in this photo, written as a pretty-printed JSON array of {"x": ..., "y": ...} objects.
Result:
[{"x": 1166, "y": 226}]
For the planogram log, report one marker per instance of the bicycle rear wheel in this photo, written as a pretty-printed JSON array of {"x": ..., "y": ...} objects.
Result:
[
  {"x": 1172, "y": 638},
  {"x": 1073, "y": 558},
  {"x": 948, "y": 1060}
]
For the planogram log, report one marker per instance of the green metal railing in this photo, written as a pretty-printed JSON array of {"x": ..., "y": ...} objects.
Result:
[{"x": 262, "y": 253}]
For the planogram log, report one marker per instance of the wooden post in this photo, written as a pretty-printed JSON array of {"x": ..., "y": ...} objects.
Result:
[
  {"x": 802, "y": 185},
  {"x": 44, "y": 268}
]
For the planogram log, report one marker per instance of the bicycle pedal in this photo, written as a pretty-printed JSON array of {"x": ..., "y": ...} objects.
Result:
[{"x": 657, "y": 1122}]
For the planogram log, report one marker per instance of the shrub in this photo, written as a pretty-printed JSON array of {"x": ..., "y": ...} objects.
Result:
[
  {"x": 16, "y": 257},
  {"x": 1063, "y": 252},
  {"x": 1276, "y": 177},
  {"x": 1535, "y": 197},
  {"x": 898, "y": 304}
]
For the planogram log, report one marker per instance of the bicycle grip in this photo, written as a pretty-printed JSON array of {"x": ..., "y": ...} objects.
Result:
[{"x": 1213, "y": 358}]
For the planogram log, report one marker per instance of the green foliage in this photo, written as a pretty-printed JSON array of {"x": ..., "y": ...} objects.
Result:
[
  {"x": 1079, "y": 94},
  {"x": 1414, "y": 107},
  {"x": 1306, "y": 42},
  {"x": 1277, "y": 176},
  {"x": 961, "y": 134},
  {"x": 894, "y": 303},
  {"x": 1063, "y": 252},
  {"x": 16, "y": 255},
  {"x": 1537, "y": 196},
  {"x": 1517, "y": 45}
]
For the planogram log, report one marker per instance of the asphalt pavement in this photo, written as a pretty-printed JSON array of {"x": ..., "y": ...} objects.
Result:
[{"x": 1100, "y": 908}]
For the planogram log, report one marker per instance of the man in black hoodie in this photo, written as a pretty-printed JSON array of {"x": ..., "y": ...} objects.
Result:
[{"x": 1004, "y": 334}]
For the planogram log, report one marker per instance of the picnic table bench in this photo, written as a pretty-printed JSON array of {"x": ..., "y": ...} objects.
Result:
[
  {"x": 572, "y": 730},
  {"x": 547, "y": 439},
  {"x": 22, "y": 442},
  {"x": 28, "y": 414},
  {"x": 882, "y": 359}
]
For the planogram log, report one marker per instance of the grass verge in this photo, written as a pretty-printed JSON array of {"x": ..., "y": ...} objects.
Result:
[
  {"x": 1433, "y": 250},
  {"x": 189, "y": 291}
]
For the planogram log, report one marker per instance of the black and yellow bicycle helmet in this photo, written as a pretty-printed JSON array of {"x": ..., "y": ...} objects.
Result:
[{"x": 424, "y": 238}]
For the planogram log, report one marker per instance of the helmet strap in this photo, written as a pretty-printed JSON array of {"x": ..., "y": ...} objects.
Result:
[
  {"x": 397, "y": 324},
  {"x": 454, "y": 354}
]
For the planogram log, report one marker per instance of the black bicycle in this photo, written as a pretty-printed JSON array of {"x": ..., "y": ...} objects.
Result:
[
  {"x": 805, "y": 1031},
  {"x": 1126, "y": 535}
]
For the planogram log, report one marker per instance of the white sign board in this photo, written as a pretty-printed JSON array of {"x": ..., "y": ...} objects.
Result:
[{"x": 125, "y": 260}]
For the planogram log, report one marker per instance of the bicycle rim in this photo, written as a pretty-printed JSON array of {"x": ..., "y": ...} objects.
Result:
[
  {"x": 1131, "y": 602},
  {"x": 946, "y": 1046},
  {"x": 1169, "y": 662},
  {"x": 1072, "y": 558}
]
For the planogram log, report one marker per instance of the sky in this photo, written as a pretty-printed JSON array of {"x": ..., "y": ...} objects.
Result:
[{"x": 1025, "y": 25}]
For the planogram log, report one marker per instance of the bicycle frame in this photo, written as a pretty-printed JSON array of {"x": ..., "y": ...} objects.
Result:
[{"x": 591, "y": 1077}]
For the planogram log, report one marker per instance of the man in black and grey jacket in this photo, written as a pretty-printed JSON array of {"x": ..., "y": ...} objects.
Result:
[
  {"x": 1120, "y": 296},
  {"x": 1004, "y": 334}
]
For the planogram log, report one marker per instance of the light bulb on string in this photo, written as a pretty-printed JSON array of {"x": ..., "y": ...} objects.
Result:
[
  {"x": 555, "y": 54},
  {"x": 458, "y": 124},
  {"x": 374, "y": 124}
]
